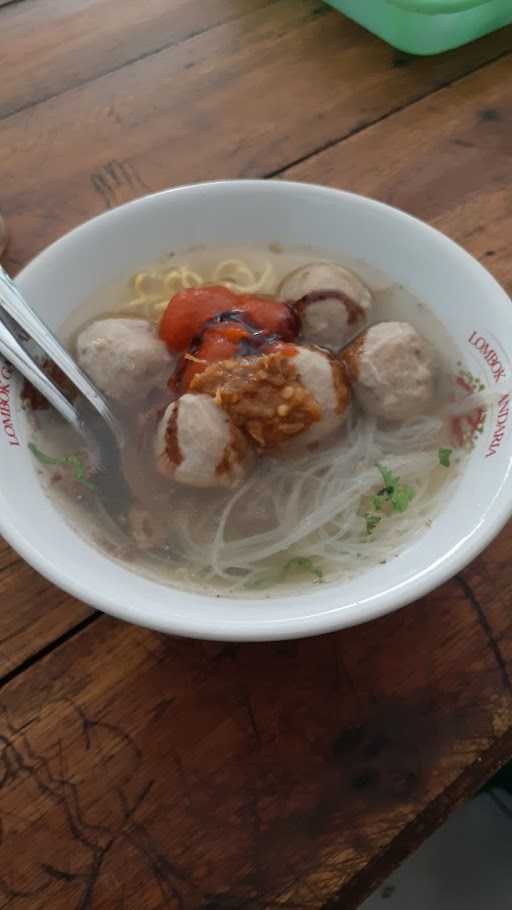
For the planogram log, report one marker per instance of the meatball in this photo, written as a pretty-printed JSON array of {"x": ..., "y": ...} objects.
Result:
[
  {"x": 332, "y": 302},
  {"x": 323, "y": 378},
  {"x": 124, "y": 357},
  {"x": 392, "y": 371},
  {"x": 279, "y": 396},
  {"x": 197, "y": 444}
]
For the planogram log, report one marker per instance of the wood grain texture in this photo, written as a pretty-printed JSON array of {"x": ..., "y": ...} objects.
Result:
[
  {"x": 50, "y": 46},
  {"x": 445, "y": 159},
  {"x": 244, "y": 99},
  {"x": 150, "y": 772},
  {"x": 33, "y": 612}
]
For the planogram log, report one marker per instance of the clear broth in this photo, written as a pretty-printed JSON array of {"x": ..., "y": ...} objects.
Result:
[{"x": 179, "y": 561}]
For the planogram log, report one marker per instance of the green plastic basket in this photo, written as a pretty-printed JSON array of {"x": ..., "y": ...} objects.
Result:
[{"x": 427, "y": 26}]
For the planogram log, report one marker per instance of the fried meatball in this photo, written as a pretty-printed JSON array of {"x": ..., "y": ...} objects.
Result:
[
  {"x": 197, "y": 444},
  {"x": 392, "y": 371},
  {"x": 124, "y": 357},
  {"x": 279, "y": 396},
  {"x": 333, "y": 303}
]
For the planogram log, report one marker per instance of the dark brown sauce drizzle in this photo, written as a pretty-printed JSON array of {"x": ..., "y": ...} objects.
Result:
[
  {"x": 171, "y": 439},
  {"x": 355, "y": 312},
  {"x": 255, "y": 342}
]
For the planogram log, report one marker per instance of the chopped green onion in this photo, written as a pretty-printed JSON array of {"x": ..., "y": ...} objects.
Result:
[
  {"x": 372, "y": 521},
  {"x": 395, "y": 495},
  {"x": 265, "y": 581},
  {"x": 390, "y": 481},
  {"x": 74, "y": 461},
  {"x": 302, "y": 562},
  {"x": 401, "y": 497},
  {"x": 298, "y": 562},
  {"x": 444, "y": 457}
]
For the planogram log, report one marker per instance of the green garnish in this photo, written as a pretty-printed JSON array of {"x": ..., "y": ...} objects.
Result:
[
  {"x": 390, "y": 481},
  {"x": 399, "y": 495},
  {"x": 394, "y": 497},
  {"x": 444, "y": 457},
  {"x": 265, "y": 581},
  {"x": 74, "y": 461},
  {"x": 372, "y": 521},
  {"x": 402, "y": 497},
  {"x": 302, "y": 562},
  {"x": 298, "y": 562}
]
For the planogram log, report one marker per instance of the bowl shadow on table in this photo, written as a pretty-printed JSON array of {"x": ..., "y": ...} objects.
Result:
[{"x": 231, "y": 774}]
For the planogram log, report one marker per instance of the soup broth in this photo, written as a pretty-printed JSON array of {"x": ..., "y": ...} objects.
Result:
[{"x": 304, "y": 515}]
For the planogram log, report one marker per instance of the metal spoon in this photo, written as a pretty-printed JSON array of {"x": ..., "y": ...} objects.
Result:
[
  {"x": 14, "y": 304},
  {"x": 90, "y": 415},
  {"x": 13, "y": 351}
]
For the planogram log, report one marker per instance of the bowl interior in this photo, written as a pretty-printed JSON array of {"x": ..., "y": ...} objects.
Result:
[{"x": 462, "y": 295}]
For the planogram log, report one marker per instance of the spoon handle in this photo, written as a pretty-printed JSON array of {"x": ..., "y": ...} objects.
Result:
[
  {"x": 14, "y": 304},
  {"x": 18, "y": 357}
]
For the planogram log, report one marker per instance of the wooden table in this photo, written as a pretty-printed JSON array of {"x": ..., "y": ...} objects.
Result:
[{"x": 143, "y": 772}]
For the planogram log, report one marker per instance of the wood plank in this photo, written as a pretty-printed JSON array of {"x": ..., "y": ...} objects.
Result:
[
  {"x": 261, "y": 92},
  {"x": 33, "y": 612},
  {"x": 452, "y": 169},
  {"x": 292, "y": 771},
  {"x": 50, "y": 46},
  {"x": 445, "y": 159},
  {"x": 154, "y": 772},
  {"x": 483, "y": 581}
]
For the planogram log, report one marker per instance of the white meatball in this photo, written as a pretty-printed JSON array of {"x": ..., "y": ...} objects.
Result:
[
  {"x": 124, "y": 357},
  {"x": 322, "y": 376},
  {"x": 333, "y": 303},
  {"x": 197, "y": 444},
  {"x": 278, "y": 397},
  {"x": 392, "y": 370}
]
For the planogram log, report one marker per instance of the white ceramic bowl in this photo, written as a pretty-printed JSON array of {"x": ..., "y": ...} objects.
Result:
[{"x": 473, "y": 308}]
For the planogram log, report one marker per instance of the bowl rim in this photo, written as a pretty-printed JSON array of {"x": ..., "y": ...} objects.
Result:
[{"x": 321, "y": 621}]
